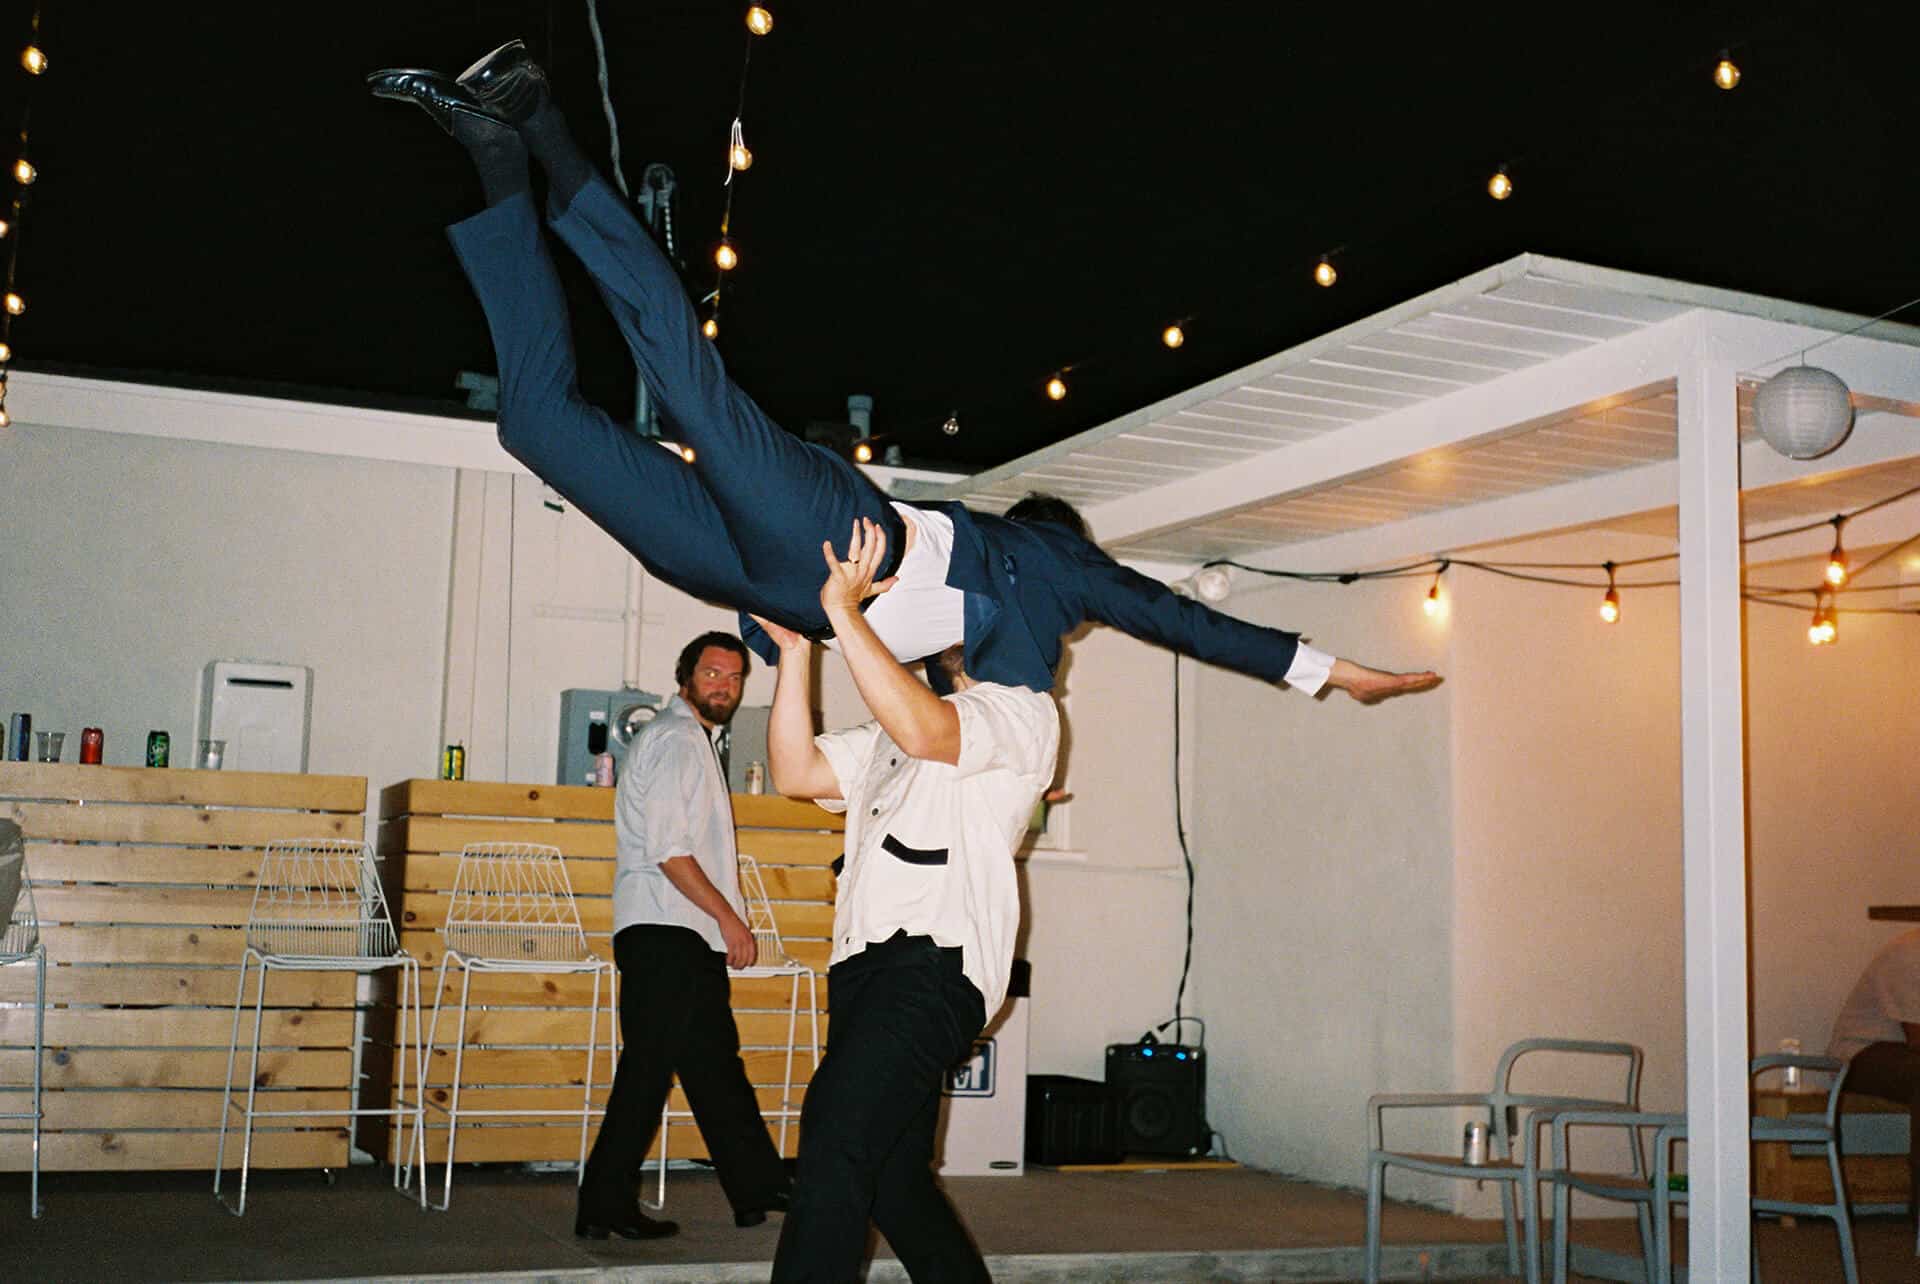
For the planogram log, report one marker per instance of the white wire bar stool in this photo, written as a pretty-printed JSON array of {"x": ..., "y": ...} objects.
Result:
[
  {"x": 773, "y": 960},
  {"x": 20, "y": 943},
  {"x": 318, "y": 907},
  {"x": 512, "y": 910}
]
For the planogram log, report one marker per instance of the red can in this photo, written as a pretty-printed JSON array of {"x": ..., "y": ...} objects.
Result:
[{"x": 93, "y": 743}]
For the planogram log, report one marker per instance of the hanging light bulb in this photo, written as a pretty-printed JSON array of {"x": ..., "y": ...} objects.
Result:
[
  {"x": 863, "y": 452},
  {"x": 1837, "y": 560},
  {"x": 34, "y": 59},
  {"x": 15, "y": 304},
  {"x": 710, "y": 328},
  {"x": 759, "y": 21},
  {"x": 1323, "y": 273},
  {"x": 1173, "y": 336},
  {"x": 686, "y": 453},
  {"x": 1825, "y": 628},
  {"x": 738, "y": 157},
  {"x": 24, "y": 173},
  {"x": 5, "y": 227},
  {"x": 952, "y": 425},
  {"x": 1434, "y": 604},
  {"x": 1500, "y": 186},
  {"x": 725, "y": 257},
  {"x": 1725, "y": 73},
  {"x": 1056, "y": 388},
  {"x": 1610, "y": 604},
  {"x": 6, "y": 353}
]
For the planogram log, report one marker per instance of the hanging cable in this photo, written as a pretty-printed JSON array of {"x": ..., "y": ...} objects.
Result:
[{"x": 606, "y": 94}]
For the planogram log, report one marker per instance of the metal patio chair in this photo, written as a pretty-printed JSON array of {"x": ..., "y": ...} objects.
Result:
[
  {"x": 1510, "y": 1116},
  {"x": 773, "y": 960},
  {"x": 20, "y": 943},
  {"x": 512, "y": 910},
  {"x": 317, "y": 907}
]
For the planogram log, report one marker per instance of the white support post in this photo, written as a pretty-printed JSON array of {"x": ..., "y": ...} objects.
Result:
[{"x": 1713, "y": 790}]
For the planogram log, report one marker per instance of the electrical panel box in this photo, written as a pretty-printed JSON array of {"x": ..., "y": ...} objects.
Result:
[
  {"x": 596, "y": 722},
  {"x": 263, "y": 711}
]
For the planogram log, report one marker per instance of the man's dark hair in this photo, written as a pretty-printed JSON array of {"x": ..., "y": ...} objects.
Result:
[
  {"x": 1039, "y": 506},
  {"x": 690, "y": 656}
]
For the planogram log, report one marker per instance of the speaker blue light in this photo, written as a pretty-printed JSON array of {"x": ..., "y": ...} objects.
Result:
[{"x": 1146, "y": 1052}]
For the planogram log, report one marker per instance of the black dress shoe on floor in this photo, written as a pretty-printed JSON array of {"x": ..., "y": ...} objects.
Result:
[
  {"x": 749, "y": 1217},
  {"x": 508, "y": 82},
  {"x": 439, "y": 96},
  {"x": 634, "y": 1225}
]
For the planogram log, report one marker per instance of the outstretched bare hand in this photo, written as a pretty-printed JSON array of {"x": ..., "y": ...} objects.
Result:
[
  {"x": 850, "y": 582},
  {"x": 1370, "y": 686}
]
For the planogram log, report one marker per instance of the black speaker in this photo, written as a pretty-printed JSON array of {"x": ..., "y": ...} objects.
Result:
[
  {"x": 1160, "y": 1095},
  {"x": 1070, "y": 1121}
]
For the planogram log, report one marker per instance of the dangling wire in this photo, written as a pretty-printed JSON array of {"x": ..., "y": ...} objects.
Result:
[{"x": 606, "y": 95}]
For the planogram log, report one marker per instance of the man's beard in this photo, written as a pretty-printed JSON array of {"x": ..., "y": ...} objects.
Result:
[{"x": 718, "y": 710}]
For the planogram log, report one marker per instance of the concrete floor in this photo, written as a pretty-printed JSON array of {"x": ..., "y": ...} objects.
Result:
[{"x": 1046, "y": 1226}]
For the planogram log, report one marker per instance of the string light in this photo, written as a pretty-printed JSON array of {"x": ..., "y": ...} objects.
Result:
[
  {"x": 1837, "y": 560},
  {"x": 1323, "y": 273},
  {"x": 725, "y": 258},
  {"x": 1056, "y": 388},
  {"x": 1173, "y": 336},
  {"x": 1725, "y": 73},
  {"x": 952, "y": 425},
  {"x": 711, "y": 328},
  {"x": 15, "y": 304},
  {"x": 1500, "y": 186},
  {"x": 24, "y": 173},
  {"x": 1434, "y": 604},
  {"x": 34, "y": 59},
  {"x": 863, "y": 452},
  {"x": 739, "y": 159},
  {"x": 1610, "y": 604},
  {"x": 759, "y": 21},
  {"x": 1825, "y": 629},
  {"x": 6, "y": 353},
  {"x": 686, "y": 453}
]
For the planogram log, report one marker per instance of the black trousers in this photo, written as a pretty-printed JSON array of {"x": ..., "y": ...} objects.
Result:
[
  {"x": 675, "y": 1018},
  {"x": 1892, "y": 1070},
  {"x": 902, "y": 1015}
]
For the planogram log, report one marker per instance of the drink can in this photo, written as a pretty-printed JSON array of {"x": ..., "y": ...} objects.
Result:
[
  {"x": 756, "y": 778},
  {"x": 159, "y": 747},
  {"x": 19, "y": 737},
  {"x": 93, "y": 743},
  {"x": 453, "y": 762},
  {"x": 603, "y": 771},
  {"x": 1473, "y": 1148}
]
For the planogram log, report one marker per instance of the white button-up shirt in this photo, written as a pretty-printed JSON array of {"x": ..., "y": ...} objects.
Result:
[
  {"x": 672, "y": 801},
  {"x": 930, "y": 846}
]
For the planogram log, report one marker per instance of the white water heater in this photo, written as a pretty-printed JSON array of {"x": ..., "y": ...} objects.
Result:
[{"x": 262, "y": 710}]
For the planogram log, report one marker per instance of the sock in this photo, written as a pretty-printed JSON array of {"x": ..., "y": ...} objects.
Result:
[
  {"x": 497, "y": 153},
  {"x": 568, "y": 168}
]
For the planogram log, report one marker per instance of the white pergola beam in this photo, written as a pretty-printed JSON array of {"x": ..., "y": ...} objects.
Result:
[
  {"x": 1713, "y": 794},
  {"x": 1611, "y": 373}
]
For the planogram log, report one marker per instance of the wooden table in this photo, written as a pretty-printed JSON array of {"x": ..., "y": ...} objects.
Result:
[
  {"x": 143, "y": 879},
  {"x": 527, "y": 1034}
]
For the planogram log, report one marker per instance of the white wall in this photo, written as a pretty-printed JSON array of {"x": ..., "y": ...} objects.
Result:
[
  {"x": 127, "y": 563},
  {"x": 1325, "y": 844}
]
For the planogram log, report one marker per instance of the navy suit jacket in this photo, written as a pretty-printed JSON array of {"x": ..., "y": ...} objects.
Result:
[{"x": 1029, "y": 585}]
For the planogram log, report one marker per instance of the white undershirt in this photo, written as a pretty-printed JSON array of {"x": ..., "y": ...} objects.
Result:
[{"x": 923, "y": 615}]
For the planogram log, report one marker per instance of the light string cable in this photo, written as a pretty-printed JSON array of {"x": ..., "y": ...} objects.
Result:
[
  {"x": 739, "y": 159},
  {"x": 33, "y": 61},
  {"x": 606, "y": 94}
]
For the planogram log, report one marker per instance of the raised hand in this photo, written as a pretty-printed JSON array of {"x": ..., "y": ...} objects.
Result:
[
  {"x": 850, "y": 582},
  {"x": 789, "y": 642}
]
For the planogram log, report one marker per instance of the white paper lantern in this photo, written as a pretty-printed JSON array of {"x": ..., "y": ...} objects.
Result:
[{"x": 1803, "y": 412}]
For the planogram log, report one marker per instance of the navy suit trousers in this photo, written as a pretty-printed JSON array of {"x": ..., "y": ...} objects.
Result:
[{"x": 743, "y": 523}]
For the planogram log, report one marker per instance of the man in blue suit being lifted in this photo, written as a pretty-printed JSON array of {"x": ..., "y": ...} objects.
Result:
[{"x": 743, "y": 522}]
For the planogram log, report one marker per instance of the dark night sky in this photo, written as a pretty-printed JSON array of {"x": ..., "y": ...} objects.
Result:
[{"x": 948, "y": 201}]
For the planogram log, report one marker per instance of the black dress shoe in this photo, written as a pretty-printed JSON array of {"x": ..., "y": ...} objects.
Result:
[
  {"x": 634, "y": 1225},
  {"x": 748, "y": 1217},
  {"x": 439, "y": 96},
  {"x": 508, "y": 82}
]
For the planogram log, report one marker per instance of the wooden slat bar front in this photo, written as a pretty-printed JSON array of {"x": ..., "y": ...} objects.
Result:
[
  {"x": 527, "y": 1034},
  {"x": 142, "y": 879}
]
